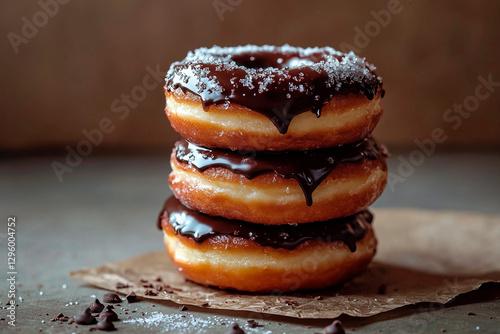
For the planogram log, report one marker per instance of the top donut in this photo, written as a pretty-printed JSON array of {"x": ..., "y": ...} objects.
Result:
[{"x": 273, "y": 98}]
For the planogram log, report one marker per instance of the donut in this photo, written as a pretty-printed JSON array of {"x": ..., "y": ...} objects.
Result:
[
  {"x": 268, "y": 98},
  {"x": 232, "y": 254},
  {"x": 279, "y": 187}
]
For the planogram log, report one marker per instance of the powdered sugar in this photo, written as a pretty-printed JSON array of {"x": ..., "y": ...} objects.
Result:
[
  {"x": 188, "y": 323},
  {"x": 341, "y": 68}
]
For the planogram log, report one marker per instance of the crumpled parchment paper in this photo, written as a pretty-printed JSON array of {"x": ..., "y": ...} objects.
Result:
[{"x": 423, "y": 256}]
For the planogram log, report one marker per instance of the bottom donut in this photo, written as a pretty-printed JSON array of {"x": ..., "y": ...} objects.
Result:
[{"x": 233, "y": 254}]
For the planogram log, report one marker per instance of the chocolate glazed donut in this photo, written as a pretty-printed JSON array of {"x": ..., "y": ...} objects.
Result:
[
  {"x": 273, "y": 98},
  {"x": 252, "y": 257},
  {"x": 279, "y": 187}
]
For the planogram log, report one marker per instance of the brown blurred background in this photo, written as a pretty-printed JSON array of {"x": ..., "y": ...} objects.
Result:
[{"x": 75, "y": 59}]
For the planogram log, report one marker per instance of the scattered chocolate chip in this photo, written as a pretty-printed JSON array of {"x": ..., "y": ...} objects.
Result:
[
  {"x": 142, "y": 280},
  {"x": 105, "y": 325},
  {"x": 108, "y": 313},
  {"x": 60, "y": 317},
  {"x": 159, "y": 288},
  {"x": 382, "y": 289},
  {"x": 205, "y": 305},
  {"x": 334, "y": 328},
  {"x": 111, "y": 298},
  {"x": 151, "y": 293},
  {"x": 318, "y": 298},
  {"x": 443, "y": 330},
  {"x": 471, "y": 313},
  {"x": 147, "y": 285},
  {"x": 252, "y": 323},
  {"x": 183, "y": 308},
  {"x": 223, "y": 324},
  {"x": 96, "y": 306},
  {"x": 235, "y": 329},
  {"x": 131, "y": 297},
  {"x": 85, "y": 318},
  {"x": 121, "y": 285},
  {"x": 158, "y": 279}
]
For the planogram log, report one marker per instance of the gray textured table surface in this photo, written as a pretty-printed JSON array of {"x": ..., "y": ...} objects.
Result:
[{"x": 106, "y": 209}]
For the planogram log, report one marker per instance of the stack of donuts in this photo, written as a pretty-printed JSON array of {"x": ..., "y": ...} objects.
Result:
[{"x": 276, "y": 168}]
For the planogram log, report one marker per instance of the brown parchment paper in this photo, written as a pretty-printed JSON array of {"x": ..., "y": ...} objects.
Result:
[{"x": 423, "y": 256}]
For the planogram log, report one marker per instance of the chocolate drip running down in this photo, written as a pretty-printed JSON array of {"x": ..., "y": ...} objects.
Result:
[
  {"x": 309, "y": 168},
  {"x": 199, "y": 227},
  {"x": 277, "y": 82}
]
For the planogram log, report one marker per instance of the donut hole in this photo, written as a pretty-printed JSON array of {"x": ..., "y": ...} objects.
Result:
[{"x": 263, "y": 60}]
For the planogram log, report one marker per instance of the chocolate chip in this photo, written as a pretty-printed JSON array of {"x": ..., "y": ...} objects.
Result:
[
  {"x": 147, "y": 285},
  {"x": 159, "y": 288},
  {"x": 131, "y": 297},
  {"x": 96, "y": 306},
  {"x": 60, "y": 317},
  {"x": 151, "y": 293},
  {"x": 471, "y": 313},
  {"x": 334, "y": 328},
  {"x": 108, "y": 313},
  {"x": 105, "y": 325},
  {"x": 183, "y": 308},
  {"x": 443, "y": 330},
  {"x": 142, "y": 280},
  {"x": 85, "y": 318},
  {"x": 158, "y": 279},
  {"x": 121, "y": 285},
  {"x": 235, "y": 329},
  {"x": 205, "y": 305},
  {"x": 382, "y": 289},
  {"x": 111, "y": 298},
  {"x": 252, "y": 323}
]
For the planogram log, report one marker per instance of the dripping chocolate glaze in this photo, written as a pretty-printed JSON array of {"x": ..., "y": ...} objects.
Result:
[
  {"x": 199, "y": 227},
  {"x": 309, "y": 168},
  {"x": 278, "y": 82}
]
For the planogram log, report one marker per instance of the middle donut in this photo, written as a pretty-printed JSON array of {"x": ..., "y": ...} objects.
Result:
[{"x": 287, "y": 187}]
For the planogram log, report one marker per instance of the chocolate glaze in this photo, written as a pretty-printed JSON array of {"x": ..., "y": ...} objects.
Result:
[
  {"x": 199, "y": 227},
  {"x": 308, "y": 168},
  {"x": 278, "y": 82}
]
